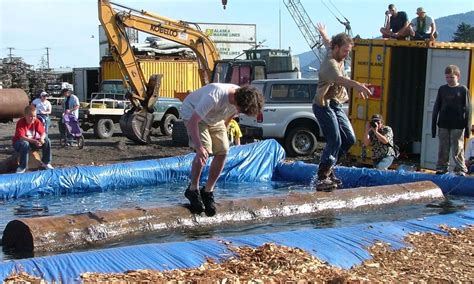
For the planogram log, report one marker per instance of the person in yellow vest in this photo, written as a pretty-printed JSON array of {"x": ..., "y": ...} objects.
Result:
[{"x": 234, "y": 133}]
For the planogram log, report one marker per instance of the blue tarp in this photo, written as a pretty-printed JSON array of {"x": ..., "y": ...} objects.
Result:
[
  {"x": 244, "y": 164},
  {"x": 343, "y": 247},
  {"x": 352, "y": 177}
]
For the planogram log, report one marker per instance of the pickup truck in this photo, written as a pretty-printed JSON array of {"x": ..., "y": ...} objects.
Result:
[
  {"x": 107, "y": 106},
  {"x": 287, "y": 115}
]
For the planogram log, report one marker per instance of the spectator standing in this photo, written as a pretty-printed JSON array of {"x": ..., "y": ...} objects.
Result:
[
  {"x": 423, "y": 27},
  {"x": 43, "y": 110},
  {"x": 71, "y": 103},
  {"x": 380, "y": 137},
  {"x": 30, "y": 134},
  {"x": 452, "y": 115},
  {"x": 327, "y": 107},
  {"x": 396, "y": 24},
  {"x": 234, "y": 132},
  {"x": 205, "y": 112}
]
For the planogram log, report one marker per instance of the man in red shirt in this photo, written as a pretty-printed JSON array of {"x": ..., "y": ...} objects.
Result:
[{"x": 30, "y": 134}]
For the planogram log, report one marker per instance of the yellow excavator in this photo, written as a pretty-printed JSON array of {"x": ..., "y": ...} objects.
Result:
[{"x": 115, "y": 18}]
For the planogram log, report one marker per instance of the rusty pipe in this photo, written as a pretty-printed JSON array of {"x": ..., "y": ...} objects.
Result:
[
  {"x": 13, "y": 103},
  {"x": 82, "y": 230}
]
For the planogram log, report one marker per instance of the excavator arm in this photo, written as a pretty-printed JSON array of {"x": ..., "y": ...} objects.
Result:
[{"x": 136, "y": 123}]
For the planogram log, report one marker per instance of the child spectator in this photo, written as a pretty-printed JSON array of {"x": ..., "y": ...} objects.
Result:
[
  {"x": 452, "y": 115},
  {"x": 234, "y": 133}
]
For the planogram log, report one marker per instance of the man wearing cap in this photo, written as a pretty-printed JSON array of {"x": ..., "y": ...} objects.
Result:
[
  {"x": 71, "y": 104},
  {"x": 423, "y": 27},
  {"x": 396, "y": 24},
  {"x": 43, "y": 110},
  {"x": 380, "y": 137}
]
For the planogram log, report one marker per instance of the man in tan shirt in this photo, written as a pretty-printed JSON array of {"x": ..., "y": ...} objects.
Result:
[{"x": 327, "y": 107}]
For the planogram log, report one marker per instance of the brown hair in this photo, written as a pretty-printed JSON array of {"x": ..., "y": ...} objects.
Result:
[
  {"x": 452, "y": 69},
  {"x": 341, "y": 40},
  {"x": 30, "y": 109},
  {"x": 249, "y": 100}
]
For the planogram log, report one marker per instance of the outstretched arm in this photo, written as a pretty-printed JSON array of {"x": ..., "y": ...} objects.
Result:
[{"x": 324, "y": 35}]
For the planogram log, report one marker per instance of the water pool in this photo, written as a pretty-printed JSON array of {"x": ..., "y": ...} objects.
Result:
[{"x": 172, "y": 194}]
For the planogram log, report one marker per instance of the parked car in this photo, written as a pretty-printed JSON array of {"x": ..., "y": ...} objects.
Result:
[{"x": 287, "y": 115}]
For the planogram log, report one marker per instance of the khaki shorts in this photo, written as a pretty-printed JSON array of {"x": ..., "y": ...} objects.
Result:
[{"x": 213, "y": 138}]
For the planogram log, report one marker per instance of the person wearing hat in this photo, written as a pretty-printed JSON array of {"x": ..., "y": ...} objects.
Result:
[
  {"x": 43, "y": 110},
  {"x": 396, "y": 24},
  {"x": 423, "y": 27},
  {"x": 380, "y": 138},
  {"x": 71, "y": 104}
]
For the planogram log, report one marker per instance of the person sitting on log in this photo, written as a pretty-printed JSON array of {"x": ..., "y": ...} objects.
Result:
[{"x": 30, "y": 134}]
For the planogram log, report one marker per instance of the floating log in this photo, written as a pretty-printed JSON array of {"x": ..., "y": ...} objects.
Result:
[{"x": 82, "y": 230}]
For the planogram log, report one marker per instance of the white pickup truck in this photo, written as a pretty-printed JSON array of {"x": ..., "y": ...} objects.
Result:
[{"x": 287, "y": 115}]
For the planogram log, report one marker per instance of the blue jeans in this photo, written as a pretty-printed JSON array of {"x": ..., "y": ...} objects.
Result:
[
  {"x": 384, "y": 163},
  {"x": 46, "y": 122},
  {"x": 23, "y": 147},
  {"x": 337, "y": 130}
]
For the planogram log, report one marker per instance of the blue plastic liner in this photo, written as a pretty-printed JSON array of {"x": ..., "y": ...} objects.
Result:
[
  {"x": 356, "y": 177},
  {"x": 343, "y": 247},
  {"x": 249, "y": 163}
]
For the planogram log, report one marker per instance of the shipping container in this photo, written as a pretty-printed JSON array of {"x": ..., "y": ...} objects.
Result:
[
  {"x": 180, "y": 76},
  {"x": 404, "y": 77},
  {"x": 85, "y": 82}
]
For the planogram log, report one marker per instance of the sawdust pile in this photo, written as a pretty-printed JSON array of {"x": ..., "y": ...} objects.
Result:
[{"x": 431, "y": 257}]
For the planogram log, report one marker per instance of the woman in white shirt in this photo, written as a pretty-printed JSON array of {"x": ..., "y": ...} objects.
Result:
[{"x": 43, "y": 110}]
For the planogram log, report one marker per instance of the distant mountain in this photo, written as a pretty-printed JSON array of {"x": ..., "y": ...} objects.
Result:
[{"x": 446, "y": 26}]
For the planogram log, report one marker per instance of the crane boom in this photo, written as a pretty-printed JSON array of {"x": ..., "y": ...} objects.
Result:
[{"x": 305, "y": 25}]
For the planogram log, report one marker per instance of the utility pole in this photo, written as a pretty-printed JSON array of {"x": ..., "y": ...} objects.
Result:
[
  {"x": 10, "y": 53},
  {"x": 47, "y": 56}
]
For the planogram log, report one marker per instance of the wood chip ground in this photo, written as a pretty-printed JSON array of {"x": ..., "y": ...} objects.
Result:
[{"x": 429, "y": 258}]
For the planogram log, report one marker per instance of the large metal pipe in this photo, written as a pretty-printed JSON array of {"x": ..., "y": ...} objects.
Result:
[
  {"x": 83, "y": 230},
  {"x": 13, "y": 103}
]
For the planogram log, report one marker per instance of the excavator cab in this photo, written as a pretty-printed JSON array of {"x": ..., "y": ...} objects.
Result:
[{"x": 239, "y": 72}]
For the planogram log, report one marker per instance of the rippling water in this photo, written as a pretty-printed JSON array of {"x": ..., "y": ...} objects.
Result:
[{"x": 169, "y": 194}]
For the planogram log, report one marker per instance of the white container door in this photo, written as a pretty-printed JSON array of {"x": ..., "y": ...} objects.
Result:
[{"x": 437, "y": 61}]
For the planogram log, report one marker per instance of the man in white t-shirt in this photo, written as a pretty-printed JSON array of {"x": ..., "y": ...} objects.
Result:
[
  {"x": 206, "y": 112},
  {"x": 423, "y": 27},
  {"x": 43, "y": 110}
]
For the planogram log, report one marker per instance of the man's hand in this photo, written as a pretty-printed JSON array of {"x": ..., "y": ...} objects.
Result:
[
  {"x": 38, "y": 143},
  {"x": 363, "y": 91},
  {"x": 387, "y": 13},
  {"x": 202, "y": 154}
]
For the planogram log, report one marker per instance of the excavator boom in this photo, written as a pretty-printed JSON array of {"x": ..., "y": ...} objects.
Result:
[{"x": 136, "y": 123}]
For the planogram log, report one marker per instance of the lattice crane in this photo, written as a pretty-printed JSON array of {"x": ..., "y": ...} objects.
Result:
[{"x": 306, "y": 26}]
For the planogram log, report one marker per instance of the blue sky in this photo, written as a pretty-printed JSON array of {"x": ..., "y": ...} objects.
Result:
[{"x": 70, "y": 27}]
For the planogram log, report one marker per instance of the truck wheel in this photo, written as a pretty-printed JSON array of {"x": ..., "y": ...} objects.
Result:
[
  {"x": 167, "y": 122},
  {"x": 300, "y": 142},
  {"x": 104, "y": 128},
  {"x": 180, "y": 135}
]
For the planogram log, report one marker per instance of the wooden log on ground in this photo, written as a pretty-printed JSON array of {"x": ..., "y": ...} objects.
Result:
[
  {"x": 10, "y": 164},
  {"x": 67, "y": 232}
]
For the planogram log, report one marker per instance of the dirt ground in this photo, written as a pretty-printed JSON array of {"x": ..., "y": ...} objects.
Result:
[
  {"x": 97, "y": 151},
  {"x": 116, "y": 149}
]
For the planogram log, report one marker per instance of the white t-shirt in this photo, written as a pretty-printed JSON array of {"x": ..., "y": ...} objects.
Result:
[
  {"x": 210, "y": 102},
  {"x": 427, "y": 27},
  {"x": 41, "y": 107}
]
